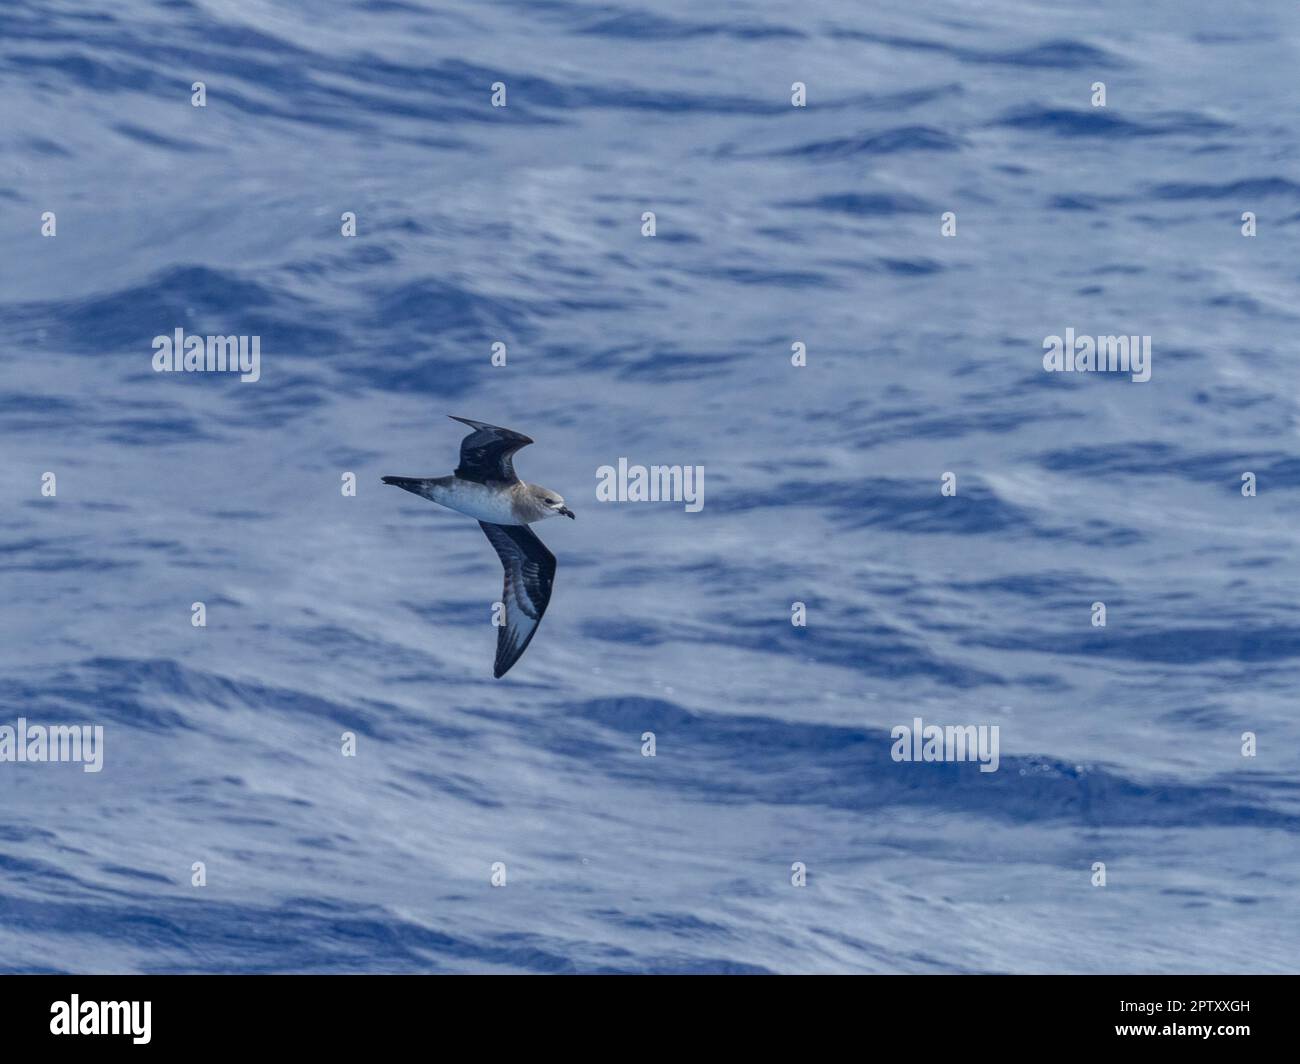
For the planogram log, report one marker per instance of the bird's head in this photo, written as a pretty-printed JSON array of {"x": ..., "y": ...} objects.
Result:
[{"x": 551, "y": 502}]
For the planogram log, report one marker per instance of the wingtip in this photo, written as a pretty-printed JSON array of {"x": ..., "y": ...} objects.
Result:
[{"x": 486, "y": 427}]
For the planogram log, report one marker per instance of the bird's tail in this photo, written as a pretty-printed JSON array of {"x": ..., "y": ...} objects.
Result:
[{"x": 414, "y": 484}]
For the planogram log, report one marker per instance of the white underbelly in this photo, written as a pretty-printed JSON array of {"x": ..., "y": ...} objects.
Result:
[{"x": 480, "y": 502}]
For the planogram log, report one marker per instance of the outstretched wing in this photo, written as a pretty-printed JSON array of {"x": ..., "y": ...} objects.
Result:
[
  {"x": 486, "y": 452},
  {"x": 530, "y": 572}
]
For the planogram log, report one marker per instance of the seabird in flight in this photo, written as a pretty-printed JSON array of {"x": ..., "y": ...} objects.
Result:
[{"x": 485, "y": 487}]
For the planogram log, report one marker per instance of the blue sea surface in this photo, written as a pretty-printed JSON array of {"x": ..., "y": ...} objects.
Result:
[{"x": 775, "y": 225}]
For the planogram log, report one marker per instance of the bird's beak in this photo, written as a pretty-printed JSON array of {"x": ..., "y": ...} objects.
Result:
[{"x": 566, "y": 511}]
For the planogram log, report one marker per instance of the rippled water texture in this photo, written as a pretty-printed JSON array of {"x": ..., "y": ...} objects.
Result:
[{"x": 775, "y": 225}]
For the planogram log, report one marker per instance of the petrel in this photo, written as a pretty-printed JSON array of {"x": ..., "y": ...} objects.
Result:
[{"x": 485, "y": 487}]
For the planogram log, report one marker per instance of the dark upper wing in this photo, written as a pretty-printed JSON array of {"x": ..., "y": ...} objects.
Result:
[
  {"x": 485, "y": 453},
  {"x": 530, "y": 571}
]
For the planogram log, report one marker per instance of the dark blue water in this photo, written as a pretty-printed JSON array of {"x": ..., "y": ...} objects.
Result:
[{"x": 775, "y": 224}]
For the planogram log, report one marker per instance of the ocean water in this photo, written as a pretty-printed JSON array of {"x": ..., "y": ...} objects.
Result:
[{"x": 775, "y": 225}]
